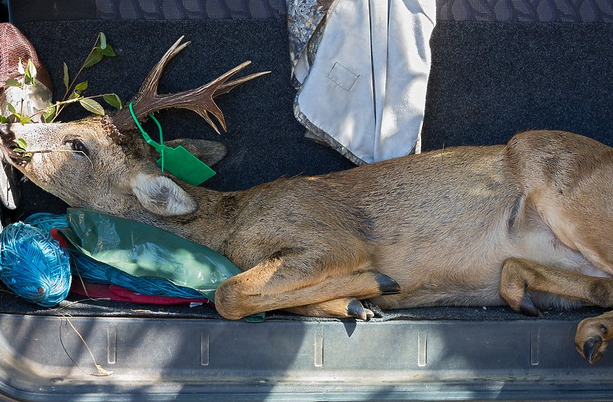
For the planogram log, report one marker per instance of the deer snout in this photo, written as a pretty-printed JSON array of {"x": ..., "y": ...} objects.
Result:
[{"x": 8, "y": 146}]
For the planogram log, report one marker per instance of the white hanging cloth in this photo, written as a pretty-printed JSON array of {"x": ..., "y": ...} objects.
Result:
[{"x": 363, "y": 75}]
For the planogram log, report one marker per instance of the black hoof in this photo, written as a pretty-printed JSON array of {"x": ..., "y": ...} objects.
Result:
[
  {"x": 355, "y": 309},
  {"x": 527, "y": 307},
  {"x": 591, "y": 349},
  {"x": 387, "y": 286}
]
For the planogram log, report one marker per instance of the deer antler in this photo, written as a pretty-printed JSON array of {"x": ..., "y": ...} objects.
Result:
[{"x": 199, "y": 100}]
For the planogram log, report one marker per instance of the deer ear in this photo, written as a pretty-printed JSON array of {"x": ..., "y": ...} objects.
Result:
[
  {"x": 162, "y": 196},
  {"x": 209, "y": 152}
]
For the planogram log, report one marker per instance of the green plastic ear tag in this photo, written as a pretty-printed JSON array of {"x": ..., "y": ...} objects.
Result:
[
  {"x": 185, "y": 166},
  {"x": 178, "y": 161}
]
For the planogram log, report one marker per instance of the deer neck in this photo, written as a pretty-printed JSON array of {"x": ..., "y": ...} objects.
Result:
[{"x": 210, "y": 225}]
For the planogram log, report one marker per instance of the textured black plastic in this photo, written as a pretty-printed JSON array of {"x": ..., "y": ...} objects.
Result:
[{"x": 44, "y": 359}]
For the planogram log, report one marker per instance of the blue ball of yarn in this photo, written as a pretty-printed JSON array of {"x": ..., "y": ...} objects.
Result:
[
  {"x": 47, "y": 221},
  {"x": 33, "y": 265}
]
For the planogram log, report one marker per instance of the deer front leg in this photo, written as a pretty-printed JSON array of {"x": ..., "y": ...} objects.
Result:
[{"x": 284, "y": 282}]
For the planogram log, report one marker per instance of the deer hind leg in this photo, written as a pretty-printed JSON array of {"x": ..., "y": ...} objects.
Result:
[
  {"x": 289, "y": 282},
  {"x": 520, "y": 275},
  {"x": 593, "y": 334}
]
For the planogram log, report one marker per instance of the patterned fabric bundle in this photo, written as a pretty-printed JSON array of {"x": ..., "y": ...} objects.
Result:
[
  {"x": 16, "y": 49},
  {"x": 15, "y": 46}
]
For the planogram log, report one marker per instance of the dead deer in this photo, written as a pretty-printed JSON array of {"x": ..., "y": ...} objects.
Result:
[{"x": 527, "y": 224}]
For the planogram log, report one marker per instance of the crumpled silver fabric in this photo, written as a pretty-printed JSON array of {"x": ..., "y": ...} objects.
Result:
[{"x": 304, "y": 18}]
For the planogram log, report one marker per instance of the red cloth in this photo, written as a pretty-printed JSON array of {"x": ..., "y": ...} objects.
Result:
[
  {"x": 57, "y": 236},
  {"x": 118, "y": 293}
]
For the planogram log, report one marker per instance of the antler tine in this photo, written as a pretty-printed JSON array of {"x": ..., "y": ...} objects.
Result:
[
  {"x": 149, "y": 87},
  {"x": 224, "y": 88},
  {"x": 230, "y": 85},
  {"x": 199, "y": 100}
]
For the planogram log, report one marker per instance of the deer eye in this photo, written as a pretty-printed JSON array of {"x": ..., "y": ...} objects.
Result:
[{"x": 77, "y": 145}]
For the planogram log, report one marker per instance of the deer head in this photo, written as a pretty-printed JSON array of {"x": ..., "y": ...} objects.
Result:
[{"x": 110, "y": 159}]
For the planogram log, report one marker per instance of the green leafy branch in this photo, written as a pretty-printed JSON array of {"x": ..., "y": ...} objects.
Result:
[
  {"x": 28, "y": 74},
  {"x": 20, "y": 148},
  {"x": 73, "y": 94},
  {"x": 74, "y": 89}
]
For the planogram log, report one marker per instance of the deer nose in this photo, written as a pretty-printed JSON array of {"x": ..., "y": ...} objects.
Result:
[
  {"x": 5, "y": 129},
  {"x": 7, "y": 135}
]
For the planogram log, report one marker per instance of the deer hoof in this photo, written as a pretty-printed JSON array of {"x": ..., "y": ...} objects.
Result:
[
  {"x": 355, "y": 309},
  {"x": 592, "y": 350},
  {"x": 527, "y": 306},
  {"x": 591, "y": 339},
  {"x": 387, "y": 286}
]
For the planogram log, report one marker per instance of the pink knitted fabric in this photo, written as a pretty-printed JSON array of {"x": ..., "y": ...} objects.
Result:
[{"x": 14, "y": 45}]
